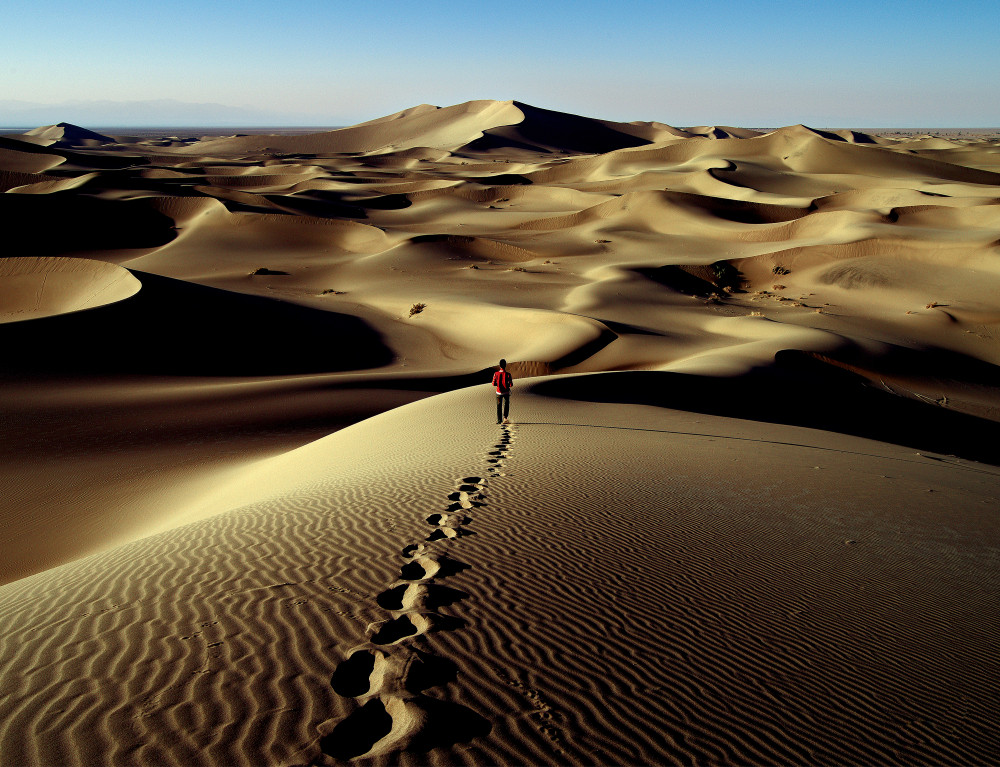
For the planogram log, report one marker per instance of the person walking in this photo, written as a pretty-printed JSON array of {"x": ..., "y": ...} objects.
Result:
[{"x": 502, "y": 382}]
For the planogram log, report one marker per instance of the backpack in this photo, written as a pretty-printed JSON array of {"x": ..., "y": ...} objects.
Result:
[{"x": 501, "y": 381}]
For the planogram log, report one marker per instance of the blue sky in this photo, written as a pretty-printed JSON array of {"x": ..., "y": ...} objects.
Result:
[{"x": 830, "y": 64}]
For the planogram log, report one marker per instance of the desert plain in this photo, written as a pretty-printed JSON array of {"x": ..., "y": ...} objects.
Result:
[{"x": 257, "y": 509}]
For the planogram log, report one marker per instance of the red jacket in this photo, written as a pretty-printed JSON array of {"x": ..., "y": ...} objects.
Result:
[{"x": 502, "y": 380}]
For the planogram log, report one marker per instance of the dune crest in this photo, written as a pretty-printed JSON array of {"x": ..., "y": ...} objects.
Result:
[{"x": 43, "y": 287}]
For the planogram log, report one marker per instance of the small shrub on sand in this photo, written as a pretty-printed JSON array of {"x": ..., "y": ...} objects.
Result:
[
  {"x": 332, "y": 292},
  {"x": 777, "y": 287},
  {"x": 780, "y": 270},
  {"x": 932, "y": 304},
  {"x": 417, "y": 308},
  {"x": 726, "y": 275}
]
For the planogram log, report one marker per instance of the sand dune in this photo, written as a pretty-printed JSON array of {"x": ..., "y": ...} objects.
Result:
[
  {"x": 15, "y": 159},
  {"x": 66, "y": 134},
  {"x": 683, "y": 598},
  {"x": 257, "y": 510},
  {"x": 40, "y": 287}
]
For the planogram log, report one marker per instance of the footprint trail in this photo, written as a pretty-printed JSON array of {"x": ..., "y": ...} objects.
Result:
[{"x": 387, "y": 675}]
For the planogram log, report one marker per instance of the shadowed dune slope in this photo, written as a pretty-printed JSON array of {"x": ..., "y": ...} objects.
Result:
[
  {"x": 548, "y": 131},
  {"x": 86, "y": 224},
  {"x": 798, "y": 390},
  {"x": 172, "y": 327}
]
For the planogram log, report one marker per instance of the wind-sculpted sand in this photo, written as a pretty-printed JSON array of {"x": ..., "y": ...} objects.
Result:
[{"x": 257, "y": 510}]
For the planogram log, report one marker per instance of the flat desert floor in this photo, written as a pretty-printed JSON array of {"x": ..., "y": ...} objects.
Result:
[{"x": 257, "y": 509}]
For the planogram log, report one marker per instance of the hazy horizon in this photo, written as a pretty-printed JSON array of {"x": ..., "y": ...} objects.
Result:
[
  {"x": 328, "y": 63},
  {"x": 56, "y": 113}
]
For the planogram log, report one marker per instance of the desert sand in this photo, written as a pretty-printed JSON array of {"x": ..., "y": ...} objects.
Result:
[{"x": 257, "y": 510}]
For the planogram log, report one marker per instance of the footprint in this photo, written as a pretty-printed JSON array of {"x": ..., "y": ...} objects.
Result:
[
  {"x": 471, "y": 480},
  {"x": 447, "y": 533},
  {"x": 424, "y": 568},
  {"x": 397, "y": 629},
  {"x": 396, "y": 671},
  {"x": 413, "y": 550},
  {"x": 467, "y": 500},
  {"x": 411, "y": 624},
  {"x": 448, "y": 520},
  {"x": 420, "y": 569},
  {"x": 401, "y": 597},
  {"x": 360, "y": 673},
  {"x": 360, "y": 732},
  {"x": 418, "y": 596},
  {"x": 388, "y": 726},
  {"x": 475, "y": 494}
]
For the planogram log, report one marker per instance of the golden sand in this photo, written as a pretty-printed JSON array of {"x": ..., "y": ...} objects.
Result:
[{"x": 257, "y": 509}]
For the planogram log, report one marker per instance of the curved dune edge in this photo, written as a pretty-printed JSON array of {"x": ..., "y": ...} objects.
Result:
[
  {"x": 43, "y": 287},
  {"x": 594, "y": 583}
]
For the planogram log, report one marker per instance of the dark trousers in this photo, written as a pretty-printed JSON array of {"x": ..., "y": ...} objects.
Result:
[{"x": 503, "y": 406}]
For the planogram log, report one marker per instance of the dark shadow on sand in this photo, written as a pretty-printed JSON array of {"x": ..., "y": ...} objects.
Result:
[
  {"x": 173, "y": 327},
  {"x": 800, "y": 391},
  {"x": 444, "y": 724}
]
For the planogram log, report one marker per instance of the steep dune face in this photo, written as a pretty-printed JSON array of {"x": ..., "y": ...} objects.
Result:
[
  {"x": 550, "y": 131},
  {"x": 767, "y": 406},
  {"x": 67, "y": 134}
]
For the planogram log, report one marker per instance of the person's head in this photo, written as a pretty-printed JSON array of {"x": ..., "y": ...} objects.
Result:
[{"x": 503, "y": 364}]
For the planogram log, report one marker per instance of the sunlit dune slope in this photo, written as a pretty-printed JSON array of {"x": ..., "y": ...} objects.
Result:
[{"x": 40, "y": 287}]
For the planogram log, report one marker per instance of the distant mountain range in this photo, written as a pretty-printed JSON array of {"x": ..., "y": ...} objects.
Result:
[{"x": 158, "y": 112}]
